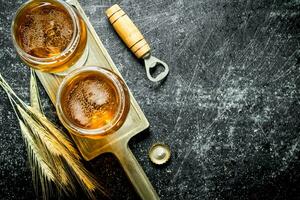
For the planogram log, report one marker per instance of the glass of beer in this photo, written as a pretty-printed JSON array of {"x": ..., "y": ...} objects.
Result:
[
  {"x": 92, "y": 102},
  {"x": 50, "y": 35}
]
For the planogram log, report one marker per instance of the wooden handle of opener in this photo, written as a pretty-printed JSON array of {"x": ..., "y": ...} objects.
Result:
[{"x": 127, "y": 31}]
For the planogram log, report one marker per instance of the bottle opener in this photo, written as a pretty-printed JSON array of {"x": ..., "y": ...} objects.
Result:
[{"x": 135, "y": 41}]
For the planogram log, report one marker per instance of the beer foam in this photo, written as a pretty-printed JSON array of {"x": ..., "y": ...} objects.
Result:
[
  {"x": 78, "y": 112},
  {"x": 45, "y": 31},
  {"x": 97, "y": 94},
  {"x": 88, "y": 98}
]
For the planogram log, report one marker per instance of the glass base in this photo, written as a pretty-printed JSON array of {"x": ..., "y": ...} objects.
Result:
[{"x": 78, "y": 64}]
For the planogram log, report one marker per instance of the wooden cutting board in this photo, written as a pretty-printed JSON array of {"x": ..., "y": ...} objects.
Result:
[{"x": 116, "y": 143}]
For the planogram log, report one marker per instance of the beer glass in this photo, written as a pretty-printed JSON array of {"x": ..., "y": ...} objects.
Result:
[{"x": 50, "y": 36}]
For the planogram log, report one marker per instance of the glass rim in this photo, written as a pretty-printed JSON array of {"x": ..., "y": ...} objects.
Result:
[
  {"x": 123, "y": 98},
  {"x": 74, "y": 40}
]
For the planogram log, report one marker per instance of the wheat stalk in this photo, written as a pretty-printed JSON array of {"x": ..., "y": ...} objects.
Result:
[
  {"x": 34, "y": 93},
  {"x": 38, "y": 178},
  {"x": 35, "y": 102},
  {"x": 33, "y": 150},
  {"x": 61, "y": 137},
  {"x": 80, "y": 171},
  {"x": 57, "y": 149},
  {"x": 39, "y": 161},
  {"x": 40, "y": 132},
  {"x": 47, "y": 146}
]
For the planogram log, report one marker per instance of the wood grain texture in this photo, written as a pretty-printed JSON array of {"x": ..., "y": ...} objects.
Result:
[{"x": 127, "y": 31}]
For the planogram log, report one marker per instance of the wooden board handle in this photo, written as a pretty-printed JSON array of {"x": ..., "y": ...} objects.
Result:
[
  {"x": 127, "y": 31},
  {"x": 135, "y": 172}
]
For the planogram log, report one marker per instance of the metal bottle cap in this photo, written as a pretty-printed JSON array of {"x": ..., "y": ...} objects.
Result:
[{"x": 159, "y": 153}]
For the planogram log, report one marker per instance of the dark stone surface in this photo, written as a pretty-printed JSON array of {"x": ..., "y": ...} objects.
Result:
[{"x": 229, "y": 108}]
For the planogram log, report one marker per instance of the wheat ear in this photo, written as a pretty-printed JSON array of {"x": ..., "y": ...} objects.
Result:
[{"x": 57, "y": 146}]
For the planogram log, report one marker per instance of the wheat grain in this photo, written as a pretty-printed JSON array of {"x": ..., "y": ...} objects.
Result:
[
  {"x": 34, "y": 92},
  {"x": 49, "y": 148},
  {"x": 34, "y": 153}
]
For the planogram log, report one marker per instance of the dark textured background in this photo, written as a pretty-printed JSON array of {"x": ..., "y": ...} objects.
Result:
[{"x": 229, "y": 108}]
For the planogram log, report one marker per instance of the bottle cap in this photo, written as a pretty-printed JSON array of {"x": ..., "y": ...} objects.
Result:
[{"x": 159, "y": 153}]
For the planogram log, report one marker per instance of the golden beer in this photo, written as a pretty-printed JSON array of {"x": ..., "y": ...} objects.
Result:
[
  {"x": 49, "y": 35},
  {"x": 92, "y": 101}
]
